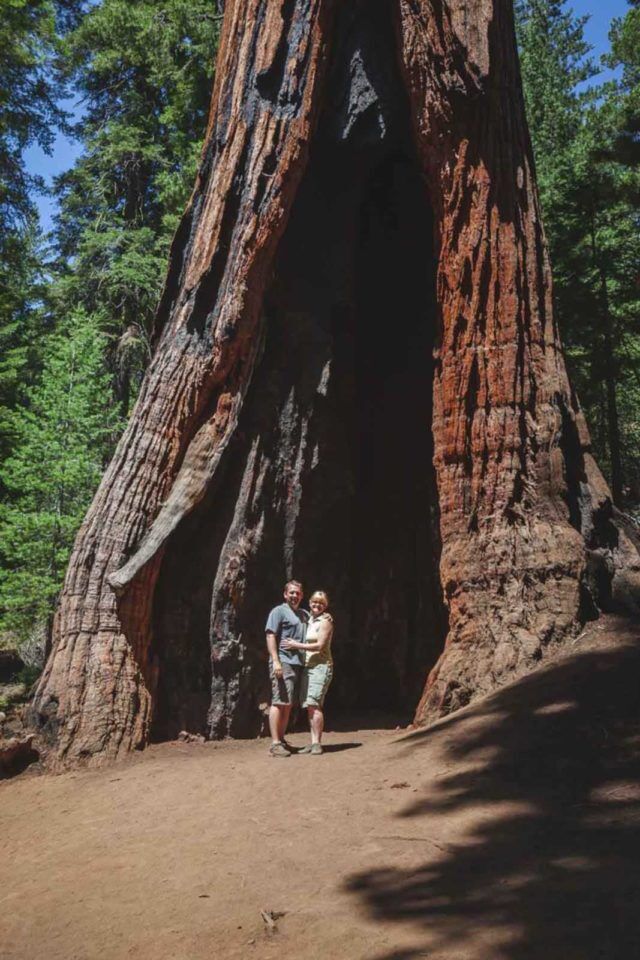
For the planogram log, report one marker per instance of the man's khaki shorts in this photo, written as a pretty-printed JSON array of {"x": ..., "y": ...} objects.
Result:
[
  {"x": 284, "y": 689},
  {"x": 315, "y": 683}
]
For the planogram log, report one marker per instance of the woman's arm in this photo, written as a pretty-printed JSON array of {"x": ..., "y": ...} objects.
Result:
[{"x": 324, "y": 635}]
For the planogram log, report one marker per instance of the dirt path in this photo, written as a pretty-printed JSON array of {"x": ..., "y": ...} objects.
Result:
[{"x": 509, "y": 831}]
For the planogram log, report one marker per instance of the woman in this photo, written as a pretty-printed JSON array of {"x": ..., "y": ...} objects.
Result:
[{"x": 318, "y": 668}]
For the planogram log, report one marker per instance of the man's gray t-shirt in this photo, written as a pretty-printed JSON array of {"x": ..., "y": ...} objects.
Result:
[{"x": 288, "y": 624}]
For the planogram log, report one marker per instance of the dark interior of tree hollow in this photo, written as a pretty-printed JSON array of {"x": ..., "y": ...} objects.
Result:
[{"x": 330, "y": 477}]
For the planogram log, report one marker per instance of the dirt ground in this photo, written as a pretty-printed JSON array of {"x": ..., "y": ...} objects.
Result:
[{"x": 510, "y": 831}]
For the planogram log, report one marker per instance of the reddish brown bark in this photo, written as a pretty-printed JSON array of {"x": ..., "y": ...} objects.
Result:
[
  {"x": 293, "y": 411},
  {"x": 520, "y": 496}
]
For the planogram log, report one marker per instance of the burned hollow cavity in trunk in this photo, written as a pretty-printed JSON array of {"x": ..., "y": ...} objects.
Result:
[{"x": 329, "y": 477}]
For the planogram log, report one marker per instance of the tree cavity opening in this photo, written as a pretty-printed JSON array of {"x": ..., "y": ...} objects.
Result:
[{"x": 330, "y": 476}]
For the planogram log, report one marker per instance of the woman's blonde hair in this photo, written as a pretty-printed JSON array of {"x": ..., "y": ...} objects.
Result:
[{"x": 321, "y": 594}]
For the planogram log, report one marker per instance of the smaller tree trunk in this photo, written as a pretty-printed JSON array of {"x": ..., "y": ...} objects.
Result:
[{"x": 613, "y": 420}]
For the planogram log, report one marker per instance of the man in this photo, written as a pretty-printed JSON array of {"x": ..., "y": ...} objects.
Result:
[{"x": 285, "y": 622}]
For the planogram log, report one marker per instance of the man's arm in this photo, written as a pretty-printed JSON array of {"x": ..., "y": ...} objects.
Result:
[
  {"x": 324, "y": 633},
  {"x": 272, "y": 647}
]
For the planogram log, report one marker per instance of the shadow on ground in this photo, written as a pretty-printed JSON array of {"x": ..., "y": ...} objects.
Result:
[
  {"x": 551, "y": 866},
  {"x": 339, "y": 747}
]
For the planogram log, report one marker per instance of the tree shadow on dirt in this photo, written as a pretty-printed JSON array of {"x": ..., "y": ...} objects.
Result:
[{"x": 554, "y": 871}]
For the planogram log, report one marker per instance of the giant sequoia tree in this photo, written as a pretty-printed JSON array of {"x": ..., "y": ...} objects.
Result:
[{"x": 357, "y": 379}]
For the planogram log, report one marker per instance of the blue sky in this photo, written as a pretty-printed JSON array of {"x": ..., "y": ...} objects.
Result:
[{"x": 601, "y": 13}]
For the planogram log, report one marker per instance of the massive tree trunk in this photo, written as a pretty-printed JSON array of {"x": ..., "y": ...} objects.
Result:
[{"x": 357, "y": 381}]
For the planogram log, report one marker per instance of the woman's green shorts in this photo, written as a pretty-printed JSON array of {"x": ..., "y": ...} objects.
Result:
[{"x": 315, "y": 683}]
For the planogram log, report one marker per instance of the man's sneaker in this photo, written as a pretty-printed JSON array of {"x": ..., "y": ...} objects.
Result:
[
  {"x": 279, "y": 750},
  {"x": 314, "y": 748}
]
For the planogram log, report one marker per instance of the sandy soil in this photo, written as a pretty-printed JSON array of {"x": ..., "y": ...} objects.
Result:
[{"x": 508, "y": 832}]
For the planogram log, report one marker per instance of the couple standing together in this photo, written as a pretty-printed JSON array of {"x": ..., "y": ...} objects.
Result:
[{"x": 300, "y": 665}]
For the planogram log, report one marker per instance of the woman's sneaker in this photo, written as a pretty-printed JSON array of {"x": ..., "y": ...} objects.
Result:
[
  {"x": 279, "y": 750},
  {"x": 314, "y": 748}
]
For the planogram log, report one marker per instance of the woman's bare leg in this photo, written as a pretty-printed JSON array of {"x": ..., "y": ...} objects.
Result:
[{"x": 316, "y": 723}]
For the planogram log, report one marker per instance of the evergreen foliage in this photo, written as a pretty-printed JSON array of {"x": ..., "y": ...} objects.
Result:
[
  {"x": 64, "y": 434},
  {"x": 20, "y": 321},
  {"x": 29, "y": 115},
  {"x": 621, "y": 154},
  {"x": 28, "y": 100},
  {"x": 589, "y": 194},
  {"x": 625, "y": 54},
  {"x": 143, "y": 71}
]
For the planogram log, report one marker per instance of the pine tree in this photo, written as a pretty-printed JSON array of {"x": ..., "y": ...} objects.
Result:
[
  {"x": 28, "y": 108},
  {"x": 144, "y": 71},
  {"x": 20, "y": 321},
  {"x": 618, "y": 157},
  {"x": 63, "y": 435},
  {"x": 625, "y": 53},
  {"x": 591, "y": 222},
  {"x": 554, "y": 58},
  {"x": 29, "y": 114},
  {"x": 608, "y": 254}
]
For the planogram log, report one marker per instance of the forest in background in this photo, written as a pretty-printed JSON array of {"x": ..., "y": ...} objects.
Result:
[{"x": 76, "y": 305}]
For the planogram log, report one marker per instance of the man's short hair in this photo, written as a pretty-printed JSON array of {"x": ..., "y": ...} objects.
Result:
[{"x": 292, "y": 583}]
